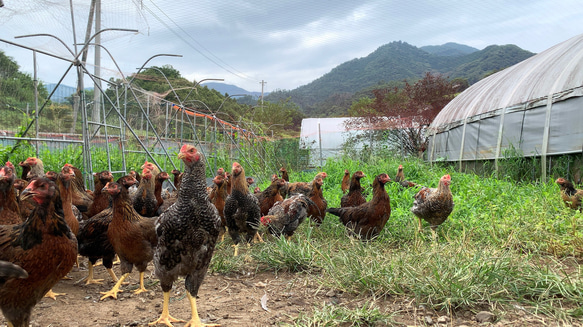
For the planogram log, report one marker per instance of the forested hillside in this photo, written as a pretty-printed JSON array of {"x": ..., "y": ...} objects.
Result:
[{"x": 393, "y": 63}]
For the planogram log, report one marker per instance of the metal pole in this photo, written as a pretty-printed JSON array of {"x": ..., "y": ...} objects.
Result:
[
  {"x": 35, "y": 81},
  {"x": 97, "y": 82},
  {"x": 320, "y": 141}
]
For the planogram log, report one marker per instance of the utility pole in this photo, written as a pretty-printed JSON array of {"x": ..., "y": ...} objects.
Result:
[{"x": 262, "y": 85}]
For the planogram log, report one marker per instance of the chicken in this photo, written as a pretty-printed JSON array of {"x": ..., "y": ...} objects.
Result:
[
  {"x": 367, "y": 220},
  {"x": 101, "y": 200},
  {"x": 9, "y": 210},
  {"x": 569, "y": 194},
  {"x": 242, "y": 211},
  {"x": 187, "y": 234},
  {"x": 218, "y": 199},
  {"x": 51, "y": 175},
  {"x": 43, "y": 246},
  {"x": 144, "y": 200},
  {"x": 434, "y": 205},
  {"x": 133, "y": 237},
  {"x": 81, "y": 199},
  {"x": 177, "y": 179},
  {"x": 355, "y": 196},
  {"x": 303, "y": 187},
  {"x": 285, "y": 216},
  {"x": 32, "y": 167},
  {"x": 283, "y": 174},
  {"x": 317, "y": 210},
  {"x": 345, "y": 184},
  {"x": 92, "y": 237},
  {"x": 400, "y": 178},
  {"x": 270, "y": 195},
  {"x": 64, "y": 184}
]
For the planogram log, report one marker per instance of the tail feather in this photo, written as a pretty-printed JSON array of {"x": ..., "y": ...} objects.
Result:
[{"x": 335, "y": 211}]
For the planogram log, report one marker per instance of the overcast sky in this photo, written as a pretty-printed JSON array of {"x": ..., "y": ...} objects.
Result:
[{"x": 284, "y": 43}]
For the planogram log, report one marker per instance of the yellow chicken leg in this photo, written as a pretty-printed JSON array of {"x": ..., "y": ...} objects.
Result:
[
  {"x": 113, "y": 292},
  {"x": 257, "y": 238},
  {"x": 236, "y": 246},
  {"x": 142, "y": 289},
  {"x": 112, "y": 274},
  {"x": 90, "y": 279},
  {"x": 165, "y": 317},
  {"x": 195, "y": 320},
  {"x": 53, "y": 295}
]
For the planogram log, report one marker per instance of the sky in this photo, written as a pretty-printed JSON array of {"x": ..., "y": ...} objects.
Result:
[{"x": 285, "y": 44}]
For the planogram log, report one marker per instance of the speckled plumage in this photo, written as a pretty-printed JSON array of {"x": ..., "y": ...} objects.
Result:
[
  {"x": 187, "y": 231},
  {"x": 285, "y": 216},
  {"x": 434, "y": 205}
]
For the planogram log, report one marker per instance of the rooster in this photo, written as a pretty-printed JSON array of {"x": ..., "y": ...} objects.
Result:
[
  {"x": 242, "y": 211},
  {"x": 354, "y": 197},
  {"x": 570, "y": 195},
  {"x": 43, "y": 246},
  {"x": 133, "y": 237},
  {"x": 187, "y": 234},
  {"x": 9, "y": 210},
  {"x": 345, "y": 184},
  {"x": 434, "y": 205},
  {"x": 367, "y": 220},
  {"x": 286, "y": 216}
]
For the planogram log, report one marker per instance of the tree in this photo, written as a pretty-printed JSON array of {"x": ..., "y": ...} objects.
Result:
[{"x": 405, "y": 113}]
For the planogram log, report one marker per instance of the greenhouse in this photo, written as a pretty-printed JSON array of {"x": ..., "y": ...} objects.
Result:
[{"x": 535, "y": 107}]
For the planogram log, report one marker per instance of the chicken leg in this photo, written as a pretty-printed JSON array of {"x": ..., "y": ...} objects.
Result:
[
  {"x": 53, "y": 295},
  {"x": 113, "y": 292},
  {"x": 90, "y": 279},
  {"x": 165, "y": 317},
  {"x": 142, "y": 288},
  {"x": 195, "y": 320}
]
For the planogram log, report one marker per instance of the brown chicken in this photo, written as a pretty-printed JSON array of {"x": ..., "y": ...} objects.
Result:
[
  {"x": 218, "y": 198},
  {"x": 52, "y": 175},
  {"x": 367, "y": 220},
  {"x": 345, "y": 184},
  {"x": 570, "y": 195},
  {"x": 285, "y": 216},
  {"x": 355, "y": 196},
  {"x": 303, "y": 187},
  {"x": 434, "y": 205},
  {"x": 159, "y": 182},
  {"x": 133, "y": 238},
  {"x": 144, "y": 200},
  {"x": 177, "y": 179},
  {"x": 400, "y": 178},
  {"x": 43, "y": 246},
  {"x": 9, "y": 211},
  {"x": 92, "y": 237},
  {"x": 270, "y": 195},
  {"x": 101, "y": 200},
  {"x": 64, "y": 184},
  {"x": 283, "y": 174},
  {"x": 242, "y": 211},
  {"x": 81, "y": 199},
  {"x": 187, "y": 234},
  {"x": 317, "y": 210}
]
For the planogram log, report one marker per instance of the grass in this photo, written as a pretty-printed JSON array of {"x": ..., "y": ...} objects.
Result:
[{"x": 505, "y": 243}]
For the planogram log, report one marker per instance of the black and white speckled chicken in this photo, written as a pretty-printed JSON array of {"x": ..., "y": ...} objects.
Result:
[
  {"x": 187, "y": 233},
  {"x": 285, "y": 216},
  {"x": 434, "y": 205},
  {"x": 242, "y": 210}
]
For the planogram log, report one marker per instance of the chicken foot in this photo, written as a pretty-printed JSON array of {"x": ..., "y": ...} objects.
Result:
[
  {"x": 165, "y": 317},
  {"x": 53, "y": 295},
  {"x": 113, "y": 292},
  {"x": 257, "y": 238},
  {"x": 142, "y": 289},
  {"x": 195, "y": 320},
  {"x": 90, "y": 279}
]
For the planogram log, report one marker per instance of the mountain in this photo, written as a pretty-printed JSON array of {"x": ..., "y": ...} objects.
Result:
[
  {"x": 449, "y": 49},
  {"x": 231, "y": 89},
  {"x": 392, "y": 63}
]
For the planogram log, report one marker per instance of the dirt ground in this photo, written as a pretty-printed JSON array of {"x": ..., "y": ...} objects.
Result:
[{"x": 235, "y": 300}]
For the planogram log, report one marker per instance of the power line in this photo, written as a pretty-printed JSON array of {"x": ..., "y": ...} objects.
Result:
[{"x": 230, "y": 68}]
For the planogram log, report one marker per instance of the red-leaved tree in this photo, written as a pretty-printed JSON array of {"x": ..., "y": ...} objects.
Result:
[{"x": 404, "y": 114}]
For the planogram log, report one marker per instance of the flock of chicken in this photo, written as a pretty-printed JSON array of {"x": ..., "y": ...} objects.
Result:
[{"x": 47, "y": 219}]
